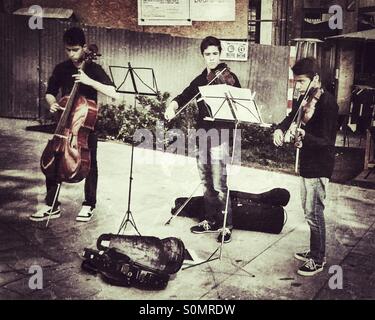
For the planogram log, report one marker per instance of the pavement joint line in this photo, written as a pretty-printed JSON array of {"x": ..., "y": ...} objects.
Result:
[
  {"x": 13, "y": 291},
  {"x": 12, "y": 249},
  {"x": 315, "y": 297},
  {"x": 21, "y": 271},
  {"x": 12, "y": 281},
  {"x": 54, "y": 282},
  {"x": 216, "y": 284},
  {"x": 251, "y": 260},
  {"x": 269, "y": 247},
  {"x": 36, "y": 244},
  {"x": 241, "y": 268}
]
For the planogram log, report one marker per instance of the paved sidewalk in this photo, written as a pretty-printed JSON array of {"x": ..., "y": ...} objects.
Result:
[{"x": 254, "y": 265}]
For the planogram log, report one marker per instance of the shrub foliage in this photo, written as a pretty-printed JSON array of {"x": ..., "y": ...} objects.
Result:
[{"x": 120, "y": 122}]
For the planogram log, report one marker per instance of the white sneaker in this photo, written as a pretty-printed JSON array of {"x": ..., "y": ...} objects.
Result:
[
  {"x": 85, "y": 214},
  {"x": 46, "y": 213}
]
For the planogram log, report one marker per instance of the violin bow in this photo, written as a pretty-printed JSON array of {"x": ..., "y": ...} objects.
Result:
[{"x": 218, "y": 74}]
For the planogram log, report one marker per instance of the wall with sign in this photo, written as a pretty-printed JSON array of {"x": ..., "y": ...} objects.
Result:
[
  {"x": 175, "y": 61},
  {"x": 124, "y": 14}
]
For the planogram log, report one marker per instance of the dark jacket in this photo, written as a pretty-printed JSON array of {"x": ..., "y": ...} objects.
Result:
[
  {"x": 62, "y": 79},
  {"x": 189, "y": 92},
  {"x": 317, "y": 155}
]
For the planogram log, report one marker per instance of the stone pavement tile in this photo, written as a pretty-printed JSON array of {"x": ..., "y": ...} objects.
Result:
[
  {"x": 363, "y": 263},
  {"x": 10, "y": 277},
  {"x": 275, "y": 274},
  {"x": 53, "y": 279},
  {"x": 10, "y": 244},
  {"x": 7, "y": 258},
  {"x": 367, "y": 244},
  {"x": 23, "y": 264},
  {"x": 155, "y": 187},
  {"x": 26, "y": 263},
  {"x": 21, "y": 258},
  {"x": 9, "y": 240},
  {"x": 188, "y": 284},
  {"x": 356, "y": 284},
  {"x": 67, "y": 286},
  {"x": 4, "y": 267},
  {"x": 10, "y": 295}
]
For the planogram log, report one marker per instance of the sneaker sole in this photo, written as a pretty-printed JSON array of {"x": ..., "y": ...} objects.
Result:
[
  {"x": 52, "y": 216},
  {"x": 209, "y": 231},
  {"x": 300, "y": 258},
  {"x": 309, "y": 274},
  {"x": 305, "y": 259},
  {"x": 84, "y": 219},
  {"x": 224, "y": 241}
]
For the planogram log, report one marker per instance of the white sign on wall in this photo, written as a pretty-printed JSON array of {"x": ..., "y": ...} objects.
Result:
[
  {"x": 234, "y": 50},
  {"x": 164, "y": 12},
  {"x": 213, "y": 10}
]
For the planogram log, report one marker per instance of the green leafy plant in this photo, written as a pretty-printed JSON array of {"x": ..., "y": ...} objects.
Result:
[{"x": 121, "y": 122}]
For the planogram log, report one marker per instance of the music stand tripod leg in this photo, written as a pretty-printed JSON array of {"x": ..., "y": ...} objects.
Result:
[
  {"x": 133, "y": 75},
  {"x": 228, "y": 191},
  {"x": 183, "y": 205},
  {"x": 128, "y": 215},
  {"x": 209, "y": 259}
]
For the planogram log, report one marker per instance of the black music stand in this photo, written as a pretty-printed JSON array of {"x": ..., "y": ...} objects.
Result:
[
  {"x": 130, "y": 80},
  {"x": 131, "y": 85},
  {"x": 231, "y": 104}
]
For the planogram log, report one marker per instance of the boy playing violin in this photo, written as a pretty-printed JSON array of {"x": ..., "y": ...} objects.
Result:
[
  {"x": 92, "y": 80},
  {"x": 211, "y": 161},
  {"x": 317, "y": 155}
]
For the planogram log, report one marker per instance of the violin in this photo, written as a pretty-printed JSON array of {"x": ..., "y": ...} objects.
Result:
[
  {"x": 309, "y": 107},
  {"x": 306, "y": 112},
  {"x": 66, "y": 158},
  {"x": 222, "y": 74}
]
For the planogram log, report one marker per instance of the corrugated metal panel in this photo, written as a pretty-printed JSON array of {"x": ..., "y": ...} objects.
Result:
[
  {"x": 19, "y": 63},
  {"x": 366, "y": 3},
  {"x": 51, "y": 53},
  {"x": 176, "y": 61},
  {"x": 269, "y": 78}
]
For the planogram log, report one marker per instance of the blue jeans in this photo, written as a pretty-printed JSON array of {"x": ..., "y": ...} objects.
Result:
[
  {"x": 213, "y": 173},
  {"x": 313, "y": 195}
]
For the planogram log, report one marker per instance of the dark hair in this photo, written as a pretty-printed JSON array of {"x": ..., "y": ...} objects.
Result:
[
  {"x": 306, "y": 66},
  {"x": 210, "y": 41},
  {"x": 74, "y": 37}
]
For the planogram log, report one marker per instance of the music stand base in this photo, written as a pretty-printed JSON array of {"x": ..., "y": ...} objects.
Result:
[
  {"x": 128, "y": 219},
  {"x": 209, "y": 259}
]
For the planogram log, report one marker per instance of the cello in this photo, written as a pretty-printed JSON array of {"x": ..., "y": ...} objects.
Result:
[{"x": 66, "y": 158}]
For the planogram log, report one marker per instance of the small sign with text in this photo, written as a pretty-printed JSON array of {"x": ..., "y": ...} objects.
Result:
[{"x": 234, "y": 50}]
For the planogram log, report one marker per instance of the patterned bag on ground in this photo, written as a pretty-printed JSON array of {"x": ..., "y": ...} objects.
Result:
[{"x": 143, "y": 262}]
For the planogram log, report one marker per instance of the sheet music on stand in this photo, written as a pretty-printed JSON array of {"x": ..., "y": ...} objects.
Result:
[{"x": 242, "y": 99}]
